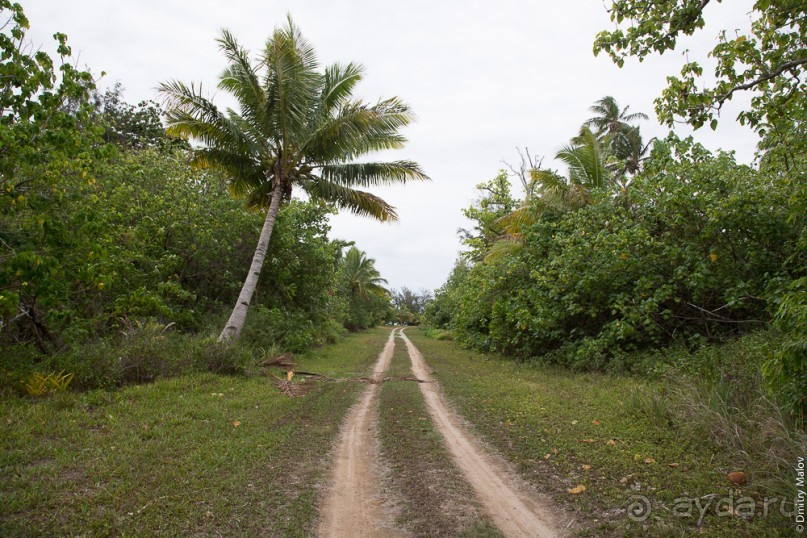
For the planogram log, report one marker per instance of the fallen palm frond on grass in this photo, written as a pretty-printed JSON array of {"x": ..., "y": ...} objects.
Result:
[{"x": 300, "y": 388}]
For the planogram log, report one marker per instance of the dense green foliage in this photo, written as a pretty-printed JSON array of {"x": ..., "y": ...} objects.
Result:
[
  {"x": 48, "y": 143},
  {"x": 767, "y": 61},
  {"x": 631, "y": 250},
  {"x": 117, "y": 255},
  {"x": 695, "y": 249},
  {"x": 688, "y": 251}
]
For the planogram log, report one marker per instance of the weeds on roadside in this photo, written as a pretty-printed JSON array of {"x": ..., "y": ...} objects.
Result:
[
  {"x": 37, "y": 384},
  {"x": 719, "y": 392}
]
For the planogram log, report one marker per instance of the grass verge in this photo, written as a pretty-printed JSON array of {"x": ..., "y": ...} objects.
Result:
[
  {"x": 435, "y": 499},
  {"x": 190, "y": 455},
  {"x": 613, "y": 435}
]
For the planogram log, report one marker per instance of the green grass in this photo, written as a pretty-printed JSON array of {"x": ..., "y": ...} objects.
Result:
[
  {"x": 435, "y": 499},
  {"x": 167, "y": 458},
  {"x": 552, "y": 422}
]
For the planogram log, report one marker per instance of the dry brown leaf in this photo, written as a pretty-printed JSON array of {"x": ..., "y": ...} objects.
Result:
[
  {"x": 611, "y": 442},
  {"x": 289, "y": 375},
  {"x": 596, "y": 422},
  {"x": 236, "y": 423},
  {"x": 649, "y": 461},
  {"x": 579, "y": 489},
  {"x": 555, "y": 451},
  {"x": 547, "y": 456},
  {"x": 672, "y": 465},
  {"x": 586, "y": 467},
  {"x": 586, "y": 440}
]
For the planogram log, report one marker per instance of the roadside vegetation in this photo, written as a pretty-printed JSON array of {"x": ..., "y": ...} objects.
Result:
[
  {"x": 195, "y": 454},
  {"x": 672, "y": 275},
  {"x": 652, "y": 455}
]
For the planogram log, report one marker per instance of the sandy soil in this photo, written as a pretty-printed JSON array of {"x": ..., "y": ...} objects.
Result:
[
  {"x": 514, "y": 511},
  {"x": 354, "y": 505}
]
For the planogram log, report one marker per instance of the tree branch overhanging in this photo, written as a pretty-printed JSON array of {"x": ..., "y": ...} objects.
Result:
[{"x": 759, "y": 80}]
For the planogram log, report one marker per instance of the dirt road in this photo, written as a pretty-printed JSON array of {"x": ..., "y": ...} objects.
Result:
[
  {"x": 353, "y": 506},
  {"x": 515, "y": 512}
]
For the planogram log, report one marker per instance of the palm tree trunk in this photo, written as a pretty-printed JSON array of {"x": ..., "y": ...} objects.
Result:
[{"x": 239, "y": 315}]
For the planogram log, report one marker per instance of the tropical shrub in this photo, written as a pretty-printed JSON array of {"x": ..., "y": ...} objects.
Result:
[{"x": 688, "y": 252}]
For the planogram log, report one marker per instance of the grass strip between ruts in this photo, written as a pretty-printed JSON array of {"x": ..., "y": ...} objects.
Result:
[{"x": 435, "y": 499}]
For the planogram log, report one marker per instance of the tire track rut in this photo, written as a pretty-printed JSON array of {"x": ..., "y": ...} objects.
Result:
[
  {"x": 515, "y": 512},
  {"x": 353, "y": 504}
]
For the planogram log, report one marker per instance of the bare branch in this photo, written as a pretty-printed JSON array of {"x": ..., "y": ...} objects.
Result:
[{"x": 522, "y": 171}]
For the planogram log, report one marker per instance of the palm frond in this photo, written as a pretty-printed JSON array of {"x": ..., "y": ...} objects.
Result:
[
  {"x": 504, "y": 247},
  {"x": 190, "y": 114},
  {"x": 338, "y": 85},
  {"x": 586, "y": 160},
  {"x": 514, "y": 223},
  {"x": 293, "y": 83},
  {"x": 359, "y": 202},
  {"x": 257, "y": 197},
  {"x": 245, "y": 173},
  {"x": 372, "y": 174},
  {"x": 625, "y": 117},
  {"x": 357, "y": 129},
  {"x": 240, "y": 78}
]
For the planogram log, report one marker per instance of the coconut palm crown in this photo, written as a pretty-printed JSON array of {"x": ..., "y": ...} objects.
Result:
[
  {"x": 362, "y": 275},
  {"x": 610, "y": 118},
  {"x": 296, "y": 127}
]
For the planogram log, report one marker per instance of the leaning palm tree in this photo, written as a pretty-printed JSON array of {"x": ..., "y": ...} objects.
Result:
[
  {"x": 296, "y": 128},
  {"x": 361, "y": 274}
]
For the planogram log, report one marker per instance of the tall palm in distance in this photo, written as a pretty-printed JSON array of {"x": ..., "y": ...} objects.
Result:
[
  {"x": 586, "y": 158},
  {"x": 296, "y": 128},
  {"x": 613, "y": 125},
  {"x": 362, "y": 275},
  {"x": 630, "y": 151},
  {"x": 607, "y": 148},
  {"x": 609, "y": 118}
]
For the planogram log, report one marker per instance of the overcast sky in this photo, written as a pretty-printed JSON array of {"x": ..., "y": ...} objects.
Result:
[{"x": 482, "y": 77}]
